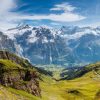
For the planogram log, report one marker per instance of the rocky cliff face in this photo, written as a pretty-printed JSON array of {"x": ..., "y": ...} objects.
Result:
[
  {"x": 43, "y": 45},
  {"x": 15, "y": 73},
  {"x": 67, "y": 46},
  {"x": 14, "y": 58},
  {"x": 6, "y": 43}
]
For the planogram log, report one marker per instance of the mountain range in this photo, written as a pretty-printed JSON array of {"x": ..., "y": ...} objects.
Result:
[{"x": 67, "y": 46}]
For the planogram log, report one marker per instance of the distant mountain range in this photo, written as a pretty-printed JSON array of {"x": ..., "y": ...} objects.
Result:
[{"x": 67, "y": 46}]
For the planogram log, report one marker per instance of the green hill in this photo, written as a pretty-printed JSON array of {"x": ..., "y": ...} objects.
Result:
[
  {"x": 84, "y": 86},
  {"x": 22, "y": 81}
]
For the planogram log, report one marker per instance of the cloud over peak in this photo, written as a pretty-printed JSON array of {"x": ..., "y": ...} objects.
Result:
[
  {"x": 67, "y": 15},
  {"x": 9, "y": 19}
]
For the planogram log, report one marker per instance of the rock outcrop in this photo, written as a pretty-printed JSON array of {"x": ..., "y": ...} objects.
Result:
[{"x": 15, "y": 73}]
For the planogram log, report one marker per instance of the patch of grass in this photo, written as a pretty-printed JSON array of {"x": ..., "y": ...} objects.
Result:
[
  {"x": 8, "y": 64},
  {"x": 24, "y": 94}
]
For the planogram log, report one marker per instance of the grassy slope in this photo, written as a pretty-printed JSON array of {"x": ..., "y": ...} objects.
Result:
[
  {"x": 10, "y": 93},
  {"x": 13, "y": 94},
  {"x": 86, "y": 87},
  {"x": 83, "y": 88},
  {"x": 7, "y": 64}
]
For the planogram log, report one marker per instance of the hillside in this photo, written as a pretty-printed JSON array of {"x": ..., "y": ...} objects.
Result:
[
  {"x": 18, "y": 73},
  {"x": 17, "y": 76},
  {"x": 14, "y": 94},
  {"x": 84, "y": 86},
  {"x": 75, "y": 72}
]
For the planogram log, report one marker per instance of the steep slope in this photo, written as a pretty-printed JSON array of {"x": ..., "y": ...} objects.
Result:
[
  {"x": 4, "y": 54},
  {"x": 6, "y": 43},
  {"x": 72, "y": 73},
  {"x": 46, "y": 44},
  {"x": 14, "y": 94},
  {"x": 84, "y": 42},
  {"x": 18, "y": 73},
  {"x": 67, "y": 46}
]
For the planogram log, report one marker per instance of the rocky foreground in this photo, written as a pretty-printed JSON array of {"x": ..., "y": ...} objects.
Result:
[{"x": 18, "y": 73}]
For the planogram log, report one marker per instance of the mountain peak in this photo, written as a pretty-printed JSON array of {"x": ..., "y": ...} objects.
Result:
[
  {"x": 51, "y": 46},
  {"x": 26, "y": 26}
]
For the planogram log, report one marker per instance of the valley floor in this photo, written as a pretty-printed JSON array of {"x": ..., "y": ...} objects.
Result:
[{"x": 84, "y": 88}]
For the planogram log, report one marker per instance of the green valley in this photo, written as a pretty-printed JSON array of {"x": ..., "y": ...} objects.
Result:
[{"x": 47, "y": 84}]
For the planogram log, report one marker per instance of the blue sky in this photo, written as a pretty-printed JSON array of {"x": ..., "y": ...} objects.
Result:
[{"x": 49, "y": 12}]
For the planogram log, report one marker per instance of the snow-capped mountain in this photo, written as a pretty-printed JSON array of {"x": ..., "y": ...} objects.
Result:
[
  {"x": 85, "y": 43},
  {"x": 70, "y": 45},
  {"x": 43, "y": 45}
]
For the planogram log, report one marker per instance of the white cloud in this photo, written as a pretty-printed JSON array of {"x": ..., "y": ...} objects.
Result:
[
  {"x": 6, "y": 5},
  {"x": 10, "y": 19},
  {"x": 5, "y": 13},
  {"x": 66, "y": 16},
  {"x": 64, "y": 6}
]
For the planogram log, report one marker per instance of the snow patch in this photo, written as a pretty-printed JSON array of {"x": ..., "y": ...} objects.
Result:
[{"x": 32, "y": 37}]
